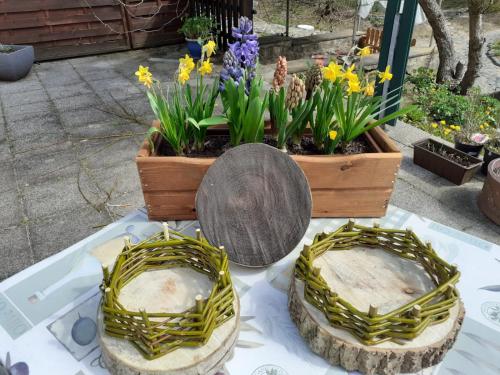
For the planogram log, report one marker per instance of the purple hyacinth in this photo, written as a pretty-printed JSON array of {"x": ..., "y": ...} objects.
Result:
[{"x": 244, "y": 54}]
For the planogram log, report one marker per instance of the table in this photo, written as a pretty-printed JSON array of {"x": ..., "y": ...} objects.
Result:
[{"x": 47, "y": 311}]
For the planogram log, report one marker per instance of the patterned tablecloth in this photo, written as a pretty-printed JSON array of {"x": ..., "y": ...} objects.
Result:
[{"x": 48, "y": 311}]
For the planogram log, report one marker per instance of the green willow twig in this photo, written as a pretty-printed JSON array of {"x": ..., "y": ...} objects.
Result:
[{"x": 371, "y": 328}]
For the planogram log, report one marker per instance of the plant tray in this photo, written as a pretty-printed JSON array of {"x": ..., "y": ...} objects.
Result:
[
  {"x": 155, "y": 333},
  {"x": 435, "y": 163},
  {"x": 341, "y": 185}
]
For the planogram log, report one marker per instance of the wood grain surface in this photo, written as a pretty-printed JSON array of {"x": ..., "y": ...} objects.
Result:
[
  {"x": 256, "y": 202},
  {"x": 364, "y": 277}
]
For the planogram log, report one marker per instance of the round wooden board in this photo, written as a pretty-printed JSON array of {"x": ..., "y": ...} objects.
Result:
[
  {"x": 256, "y": 202},
  {"x": 171, "y": 290},
  {"x": 365, "y": 276}
]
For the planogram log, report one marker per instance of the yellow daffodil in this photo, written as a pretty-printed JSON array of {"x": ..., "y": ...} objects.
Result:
[
  {"x": 332, "y": 72},
  {"x": 183, "y": 76},
  {"x": 332, "y": 134},
  {"x": 434, "y": 125},
  {"x": 353, "y": 86},
  {"x": 186, "y": 63},
  {"x": 442, "y": 122},
  {"x": 447, "y": 131},
  {"x": 370, "y": 89},
  {"x": 386, "y": 75},
  {"x": 457, "y": 128},
  {"x": 209, "y": 48},
  {"x": 365, "y": 51},
  {"x": 205, "y": 67},
  {"x": 144, "y": 76},
  {"x": 349, "y": 75}
]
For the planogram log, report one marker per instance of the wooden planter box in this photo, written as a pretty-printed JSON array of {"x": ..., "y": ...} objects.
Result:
[
  {"x": 453, "y": 172},
  {"x": 341, "y": 185}
]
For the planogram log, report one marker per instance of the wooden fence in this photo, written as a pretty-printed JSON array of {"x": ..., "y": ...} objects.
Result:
[
  {"x": 225, "y": 12},
  {"x": 67, "y": 28}
]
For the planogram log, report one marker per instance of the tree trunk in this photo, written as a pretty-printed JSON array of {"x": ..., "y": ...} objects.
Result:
[
  {"x": 447, "y": 69},
  {"x": 476, "y": 44}
]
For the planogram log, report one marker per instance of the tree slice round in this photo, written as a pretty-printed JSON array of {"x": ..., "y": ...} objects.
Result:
[
  {"x": 170, "y": 290},
  {"x": 256, "y": 202},
  {"x": 365, "y": 276}
]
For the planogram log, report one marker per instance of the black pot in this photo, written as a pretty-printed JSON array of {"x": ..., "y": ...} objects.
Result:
[
  {"x": 488, "y": 157},
  {"x": 16, "y": 64},
  {"x": 472, "y": 150}
]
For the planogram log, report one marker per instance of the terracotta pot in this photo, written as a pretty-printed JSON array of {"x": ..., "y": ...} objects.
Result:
[
  {"x": 342, "y": 185},
  {"x": 489, "y": 198},
  {"x": 454, "y": 172}
]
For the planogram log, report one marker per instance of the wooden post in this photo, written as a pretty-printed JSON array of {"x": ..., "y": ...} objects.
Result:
[
  {"x": 372, "y": 311},
  {"x": 246, "y": 9},
  {"x": 165, "y": 231}
]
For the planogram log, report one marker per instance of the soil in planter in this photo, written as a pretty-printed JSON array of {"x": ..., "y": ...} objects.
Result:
[
  {"x": 216, "y": 145},
  {"x": 456, "y": 158}
]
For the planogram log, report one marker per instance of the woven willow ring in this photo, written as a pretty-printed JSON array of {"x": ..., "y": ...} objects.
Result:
[
  {"x": 369, "y": 327},
  {"x": 158, "y": 333}
]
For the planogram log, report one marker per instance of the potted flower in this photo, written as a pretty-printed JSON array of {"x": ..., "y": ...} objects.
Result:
[
  {"x": 491, "y": 152},
  {"x": 15, "y": 61},
  {"x": 327, "y": 123},
  {"x": 197, "y": 31},
  {"x": 469, "y": 137},
  {"x": 489, "y": 198}
]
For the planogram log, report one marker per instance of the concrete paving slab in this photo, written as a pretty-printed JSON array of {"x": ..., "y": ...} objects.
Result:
[
  {"x": 29, "y": 83},
  {"x": 43, "y": 142},
  {"x": 76, "y": 102},
  {"x": 34, "y": 124},
  {"x": 69, "y": 91},
  {"x": 4, "y": 151},
  {"x": 46, "y": 166},
  {"x": 10, "y": 208},
  {"x": 97, "y": 130},
  {"x": 64, "y": 228},
  {"x": 23, "y": 98},
  {"x": 48, "y": 198},
  {"x": 84, "y": 116},
  {"x": 108, "y": 153},
  {"x": 18, "y": 113},
  {"x": 16, "y": 251},
  {"x": 7, "y": 176}
]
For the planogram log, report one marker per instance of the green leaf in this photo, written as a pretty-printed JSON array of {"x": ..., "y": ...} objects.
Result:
[{"x": 211, "y": 121}]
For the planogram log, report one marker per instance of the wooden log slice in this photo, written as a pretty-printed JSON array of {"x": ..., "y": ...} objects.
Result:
[
  {"x": 170, "y": 290},
  {"x": 365, "y": 276},
  {"x": 254, "y": 200}
]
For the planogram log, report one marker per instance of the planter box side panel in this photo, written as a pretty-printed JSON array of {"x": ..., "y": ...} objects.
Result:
[
  {"x": 367, "y": 202},
  {"x": 171, "y": 205},
  {"x": 376, "y": 170},
  {"x": 172, "y": 173}
]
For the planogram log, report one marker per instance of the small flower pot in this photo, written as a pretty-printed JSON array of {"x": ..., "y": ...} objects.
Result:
[
  {"x": 488, "y": 157},
  {"x": 489, "y": 198},
  {"x": 471, "y": 149},
  {"x": 16, "y": 64},
  {"x": 194, "y": 48},
  {"x": 426, "y": 155}
]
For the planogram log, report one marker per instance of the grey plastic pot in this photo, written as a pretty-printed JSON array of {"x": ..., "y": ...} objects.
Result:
[{"x": 16, "y": 64}]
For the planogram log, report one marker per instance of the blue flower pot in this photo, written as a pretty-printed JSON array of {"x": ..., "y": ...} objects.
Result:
[{"x": 194, "y": 48}]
